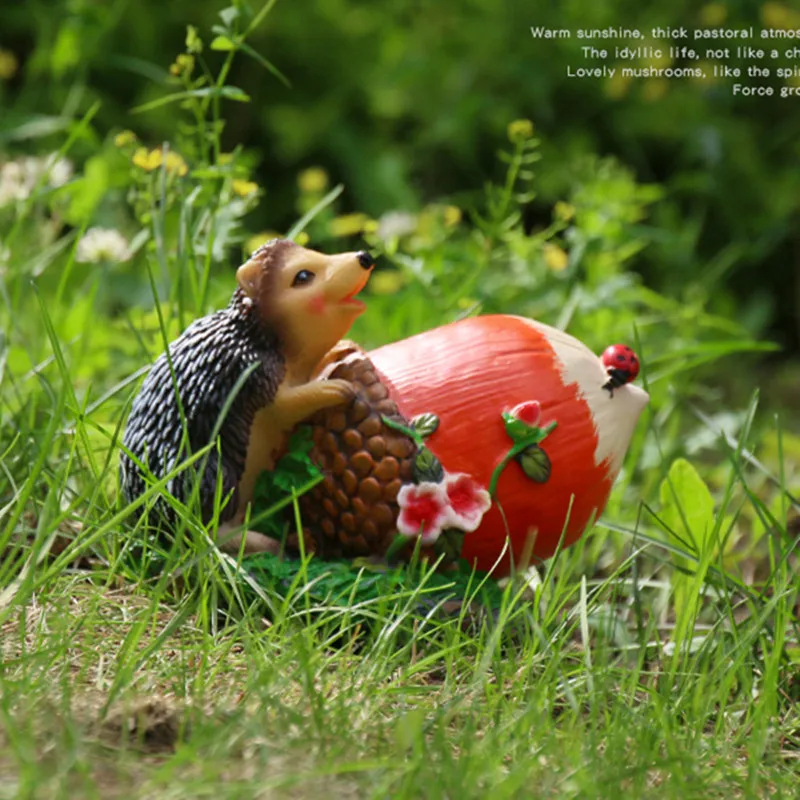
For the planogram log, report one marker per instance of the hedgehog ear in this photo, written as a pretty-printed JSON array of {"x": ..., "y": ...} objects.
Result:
[{"x": 248, "y": 276}]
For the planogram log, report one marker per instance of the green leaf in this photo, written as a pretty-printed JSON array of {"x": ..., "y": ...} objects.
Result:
[
  {"x": 235, "y": 93},
  {"x": 87, "y": 191},
  {"x": 66, "y": 51},
  {"x": 535, "y": 463},
  {"x": 229, "y": 14},
  {"x": 231, "y": 92},
  {"x": 427, "y": 467},
  {"x": 425, "y": 424},
  {"x": 687, "y": 507},
  {"x": 517, "y": 430},
  {"x": 194, "y": 44},
  {"x": 293, "y": 471},
  {"x": 222, "y": 43},
  {"x": 31, "y": 126},
  {"x": 256, "y": 56}
]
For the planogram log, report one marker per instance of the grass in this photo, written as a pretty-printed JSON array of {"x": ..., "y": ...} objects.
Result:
[
  {"x": 639, "y": 665},
  {"x": 106, "y": 688},
  {"x": 115, "y": 685},
  {"x": 659, "y": 657},
  {"x": 642, "y": 664}
]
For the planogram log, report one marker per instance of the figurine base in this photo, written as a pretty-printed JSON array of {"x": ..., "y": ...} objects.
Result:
[{"x": 370, "y": 588}]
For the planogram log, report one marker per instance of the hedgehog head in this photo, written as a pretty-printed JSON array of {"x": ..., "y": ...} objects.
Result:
[{"x": 306, "y": 296}]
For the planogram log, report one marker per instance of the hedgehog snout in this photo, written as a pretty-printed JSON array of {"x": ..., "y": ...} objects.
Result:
[{"x": 365, "y": 259}]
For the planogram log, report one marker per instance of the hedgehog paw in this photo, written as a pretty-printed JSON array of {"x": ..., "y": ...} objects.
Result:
[
  {"x": 230, "y": 541},
  {"x": 336, "y": 391}
]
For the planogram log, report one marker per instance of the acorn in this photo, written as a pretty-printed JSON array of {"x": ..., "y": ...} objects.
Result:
[{"x": 494, "y": 439}]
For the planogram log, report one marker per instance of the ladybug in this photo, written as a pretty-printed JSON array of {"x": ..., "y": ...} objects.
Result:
[{"x": 622, "y": 365}]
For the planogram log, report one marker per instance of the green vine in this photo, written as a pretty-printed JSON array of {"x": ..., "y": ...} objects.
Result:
[{"x": 523, "y": 436}]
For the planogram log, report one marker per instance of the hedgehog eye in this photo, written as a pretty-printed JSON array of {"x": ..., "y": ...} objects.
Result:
[{"x": 303, "y": 277}]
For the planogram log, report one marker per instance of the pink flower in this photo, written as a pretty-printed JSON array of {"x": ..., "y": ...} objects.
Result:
[
  {"x": 468, "y": 500},
  {"x": 528, "y": 412},
  {"x": 424, "y": 511}
]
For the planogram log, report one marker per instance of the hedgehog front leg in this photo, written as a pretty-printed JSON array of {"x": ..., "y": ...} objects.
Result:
[{"x": 296, "y": 403}]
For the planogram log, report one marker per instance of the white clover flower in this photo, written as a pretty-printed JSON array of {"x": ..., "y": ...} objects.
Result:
[
  {"x": 102, "y": 244},
  {"x": 19, "y": 177},
  {"x": 396, "y": 224},
  {"x": 59, "y": 170},
  {"x": 13, "y": 184},
  {"x": 31, "y": 169},
  {"x": 56, "y": 170}
]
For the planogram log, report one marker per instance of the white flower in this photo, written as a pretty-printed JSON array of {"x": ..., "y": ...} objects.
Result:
[
  {"x": 396, "y": 224},
  {"x": 59, "y": 170},
  {"x": 468, "y": 500},
  {"x": 13, "y": 185},
  {"x": 102, "y": 244},
  {"x": 423, "y": 511},
  {"x": 426, "y": 509},
  {"x": 18, "y": 178}
]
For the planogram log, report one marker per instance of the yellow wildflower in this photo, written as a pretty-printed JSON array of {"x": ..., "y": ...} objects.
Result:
[
  {"x": 386, "y": 282},
  {"x": 301, "y": 238},
  {"x": 150, "y": 160},
  {"x": 563, "y": 211},
  {"x": 777, "y": 15},
  {"x": 124, "y": 138},
  {"x": 243, "y": 188},
  {"x": 8, "y": 65},
  {"x": 348, "y": 224},
  {"x": 313, "y": 180},
  {"x": 519, "y": 130},
  {"x": 145, "y": 159},
  {"x": 175, "y": 165},
  {"x": 713, "y": 15},
  {"x": 555, "y": 258},
  {"x": 183, "y": 65},
  {"x": 452, "y": 216}
]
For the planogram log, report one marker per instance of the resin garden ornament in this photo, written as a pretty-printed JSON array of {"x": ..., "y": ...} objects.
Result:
[{"x": 486, "y": 443}]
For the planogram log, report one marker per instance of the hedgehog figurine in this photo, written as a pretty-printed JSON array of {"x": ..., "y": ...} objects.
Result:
[{"x": 292, "y": 305}]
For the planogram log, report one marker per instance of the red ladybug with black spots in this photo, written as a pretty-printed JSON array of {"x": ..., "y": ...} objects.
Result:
[{"x": 622, "y": 365}]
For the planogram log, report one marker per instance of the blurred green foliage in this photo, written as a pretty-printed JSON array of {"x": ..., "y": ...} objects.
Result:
[{"x": 405, "y": 103}]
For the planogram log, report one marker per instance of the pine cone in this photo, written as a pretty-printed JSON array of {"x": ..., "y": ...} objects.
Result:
[{"x": 353, "y": 512}]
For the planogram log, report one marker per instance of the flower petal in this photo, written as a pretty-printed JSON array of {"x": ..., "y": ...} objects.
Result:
[
  {"x": 468, "y": 500},
  {"x": 528, "y": 412},
  {"x": 423, "y": 511}
]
